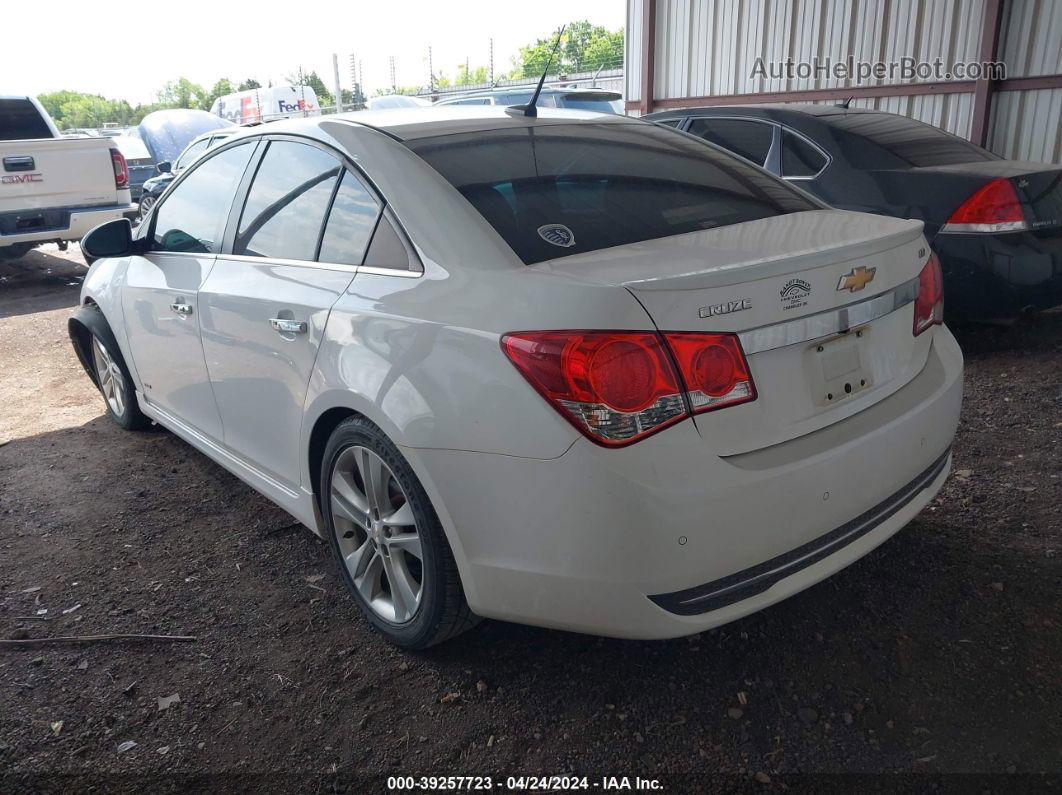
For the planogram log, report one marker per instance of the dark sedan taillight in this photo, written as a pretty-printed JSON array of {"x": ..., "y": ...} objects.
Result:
[{"x": 994, "y": 208}]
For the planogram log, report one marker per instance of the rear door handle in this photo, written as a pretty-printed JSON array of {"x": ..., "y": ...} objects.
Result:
[
  {"x": 181, "y": 309},
  {"x": 285, "y": 326}
]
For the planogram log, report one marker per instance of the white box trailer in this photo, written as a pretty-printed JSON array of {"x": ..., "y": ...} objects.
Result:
[{"x": 266, "y": 104}]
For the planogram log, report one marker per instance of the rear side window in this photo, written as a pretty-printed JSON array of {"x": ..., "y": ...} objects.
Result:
[
  {"x": 799, "y": 158},
  {"x": 560, "y": 189},
  {"x": 193, "y": 215},
  {"x": 910, "y": 141},
  {"x": 287, "y": 202},
  {"x": 750, "y": 139},
  {"x": 21, "y": 121},
  {"x": 350, "y": 223}
]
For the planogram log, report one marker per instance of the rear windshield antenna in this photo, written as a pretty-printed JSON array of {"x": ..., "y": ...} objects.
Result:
[
  {"x": 529, "y": 109},
  {"x": 845, "y": 104}
]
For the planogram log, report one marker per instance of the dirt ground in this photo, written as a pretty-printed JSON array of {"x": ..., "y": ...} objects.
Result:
[{"x": 935, "y": 661}]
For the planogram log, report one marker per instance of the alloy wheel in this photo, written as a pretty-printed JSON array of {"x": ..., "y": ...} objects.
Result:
[
  {"x": 377, "y": 534},
  {"x": 112, "y": 383}
]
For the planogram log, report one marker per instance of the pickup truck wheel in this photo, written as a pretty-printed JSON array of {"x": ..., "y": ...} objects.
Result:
[
  {"x": 15, "y": 251},
  {"x": 387, "y": 540},
  {"x": 119, "y": 394}
]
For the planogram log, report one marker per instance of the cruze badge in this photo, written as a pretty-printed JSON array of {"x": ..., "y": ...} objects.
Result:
[
  {"x": 557, "y": 235},
  {"x": 725, "y": 308},
  {"x": 856, "y": 279}
]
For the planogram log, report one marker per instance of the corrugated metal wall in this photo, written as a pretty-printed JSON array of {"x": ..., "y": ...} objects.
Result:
[{"x": 710, "y": 47}]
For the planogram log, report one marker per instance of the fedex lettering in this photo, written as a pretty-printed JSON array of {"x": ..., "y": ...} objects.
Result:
[{"x": 283, "y": 106}]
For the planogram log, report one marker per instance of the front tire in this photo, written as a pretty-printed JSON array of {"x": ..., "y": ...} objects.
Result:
[
  {"x": 388, "y": 541},
  {"x": 114, "y": 383},
  {"x": 147, "y": 201}
]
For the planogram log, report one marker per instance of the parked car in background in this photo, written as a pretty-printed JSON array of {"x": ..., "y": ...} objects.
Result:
[
  {"x": 595, "y": 99},
  {"x": 154, "y": 186},
  {"x": 572, "y": 370},
  {"x": 995, "y": 224},
  {"x": 391, "y": 101},
  {"x": 54, "y": 189},
  {"x": 139, "y": 162}
]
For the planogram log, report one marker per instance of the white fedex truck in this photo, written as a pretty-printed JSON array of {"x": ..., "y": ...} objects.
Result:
[{"x": 266, "y": 104}]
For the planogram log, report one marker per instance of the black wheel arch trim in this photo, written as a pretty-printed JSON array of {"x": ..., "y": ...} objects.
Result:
[{"x": 88, "y": 321}]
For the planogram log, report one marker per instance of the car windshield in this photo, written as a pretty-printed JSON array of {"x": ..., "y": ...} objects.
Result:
[
  {"x": 578, "y": 103},
  {"x": 911, "y": 141},
  {"x": 560, "y": 189}
]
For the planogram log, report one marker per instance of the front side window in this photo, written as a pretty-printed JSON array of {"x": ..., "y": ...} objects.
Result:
[
  {"x": 287, "y": 202},
  {"x": 190, "y": 154},
  {"x": 555, "y": 190},
  {"x": 350, "y": 223},
  {"x": 192, "y": 217},
  {"x": 799, "y": 158},
  {"x": 750, "y": 139}
]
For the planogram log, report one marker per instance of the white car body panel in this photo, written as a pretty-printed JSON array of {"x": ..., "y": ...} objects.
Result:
[{"x": 547, "y": 527}]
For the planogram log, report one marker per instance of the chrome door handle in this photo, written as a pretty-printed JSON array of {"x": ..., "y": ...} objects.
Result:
[
  {"x": 181, "y": 309},
  {"x": 285, "y": 326}
]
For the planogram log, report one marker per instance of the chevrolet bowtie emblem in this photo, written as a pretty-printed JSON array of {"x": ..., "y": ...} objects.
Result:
[{"x": 856, "y": 279}]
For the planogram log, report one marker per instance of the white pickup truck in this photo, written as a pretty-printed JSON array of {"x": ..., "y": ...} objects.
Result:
[{"x": 54, "y": 189}]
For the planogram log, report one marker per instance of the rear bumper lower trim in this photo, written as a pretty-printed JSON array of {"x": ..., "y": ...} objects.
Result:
[{"x": 757, "y": 579}]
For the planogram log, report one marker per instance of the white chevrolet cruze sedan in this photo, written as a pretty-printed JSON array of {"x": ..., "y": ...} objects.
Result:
[{"x": 579, "y": 371}]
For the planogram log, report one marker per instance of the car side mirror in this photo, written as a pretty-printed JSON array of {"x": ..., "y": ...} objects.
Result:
[
  {"x": 165, "y": 167},
  {"x": 110, "y": 239}
]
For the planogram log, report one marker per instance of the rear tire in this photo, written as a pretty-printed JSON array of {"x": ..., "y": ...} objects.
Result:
[
  {"x": 387, "y": 540},
  {"x": 115, "y": 384}
]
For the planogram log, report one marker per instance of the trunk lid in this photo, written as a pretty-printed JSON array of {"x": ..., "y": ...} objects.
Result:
[
  {"x": 61, "y": 172},
  {"x": 780, "y": 283}
]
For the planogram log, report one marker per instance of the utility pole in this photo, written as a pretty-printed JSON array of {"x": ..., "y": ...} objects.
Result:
[
  {"x": 492, "y": 61},
  {"x": 339, "y": 87},
  {"x": 394, "y": 86},
  {"x": 431, "y": 75}
]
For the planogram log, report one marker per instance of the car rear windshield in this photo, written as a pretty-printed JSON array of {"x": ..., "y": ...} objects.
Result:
[
  {"x": 913, "y": 142},
  {"x": 560, "y": 189},
  {"x": 21, "y": 121}
]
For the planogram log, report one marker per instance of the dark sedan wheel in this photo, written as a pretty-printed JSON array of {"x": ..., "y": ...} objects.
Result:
[
  {"x": 388, "y": 541},
  {"x": 147, "y": 201}
]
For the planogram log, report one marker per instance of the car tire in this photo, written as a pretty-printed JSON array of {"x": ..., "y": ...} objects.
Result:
[
  {"x": 115, "y": 384},
  {"x": 387, "y": 540},
  {"x": 147, "y": 201},
  {"x": 15, "y": 251}
]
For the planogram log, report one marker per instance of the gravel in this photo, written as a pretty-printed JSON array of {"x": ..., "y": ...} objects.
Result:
[{"x": 950, "y": 631}]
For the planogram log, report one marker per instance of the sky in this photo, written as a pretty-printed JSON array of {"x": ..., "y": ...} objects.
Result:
[{"x": 111, "y": 50}]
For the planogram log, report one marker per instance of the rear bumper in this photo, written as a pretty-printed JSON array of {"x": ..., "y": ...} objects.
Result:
[
  {"x": 607, "y": 541},
  {"x": 58, "y": 223},
  {"x": 996, "y": 277}
]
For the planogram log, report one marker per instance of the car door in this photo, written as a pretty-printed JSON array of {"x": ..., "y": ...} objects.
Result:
[
  {"x": 160, "y": 290},
  {"x": 266, "y": 301}
]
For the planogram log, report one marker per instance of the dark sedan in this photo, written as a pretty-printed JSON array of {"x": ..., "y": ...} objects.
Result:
[{"x": 995, "y": 224}]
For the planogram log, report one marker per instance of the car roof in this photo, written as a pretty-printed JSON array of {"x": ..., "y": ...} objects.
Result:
[
  {"x": 806, "y": 108},
  {"x": 406, "y": 124}
]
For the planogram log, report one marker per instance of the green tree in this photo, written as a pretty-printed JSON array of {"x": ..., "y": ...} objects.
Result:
[
  {"x": 183, "y": 93},
  {"x": 220, "y": 89},
  {"x": 584, "y": 47},
  {"x": 248, "y": 84},
  {"x": 466, "y": 76}
]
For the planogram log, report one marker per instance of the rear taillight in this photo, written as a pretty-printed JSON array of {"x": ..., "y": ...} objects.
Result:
[
  {"x": 929, "y": 305},
  {"x": 714, "y": 369},
  {"x": 617, "y": 387},
  {"x": 121, "y": 170},
  {"x": 994, "y": 208}
]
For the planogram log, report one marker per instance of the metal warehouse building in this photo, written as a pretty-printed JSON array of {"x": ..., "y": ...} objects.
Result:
[{"x": 684, "y": 53}]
